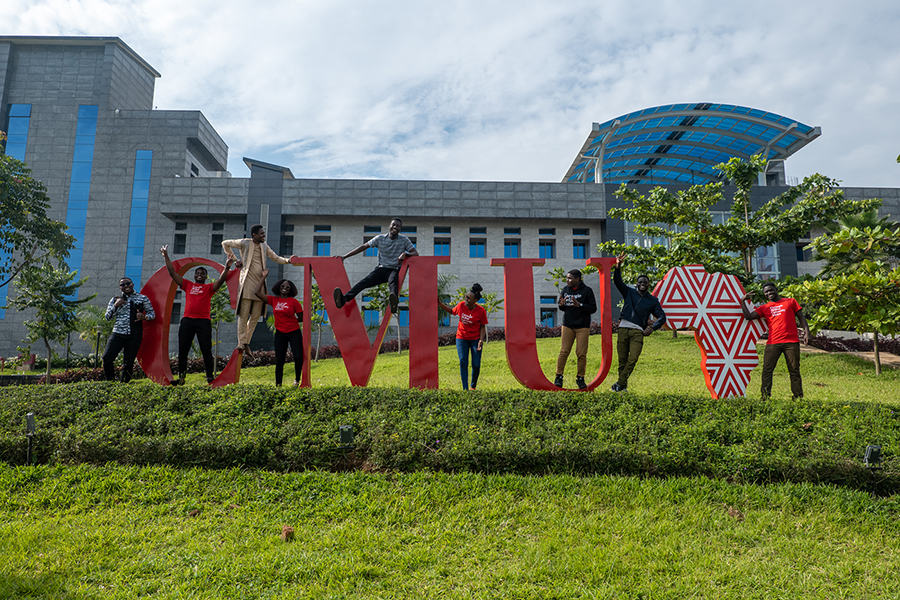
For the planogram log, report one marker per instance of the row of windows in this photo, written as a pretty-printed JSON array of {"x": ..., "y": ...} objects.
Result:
[
  {"x": 446, "y": 230},
  {"x": 137, "y": 226},
  {"x": 80, "y": 180},
  {"x": 16, "y": 141}
]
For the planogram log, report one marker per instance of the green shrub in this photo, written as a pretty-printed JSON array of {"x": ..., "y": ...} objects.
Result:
[{"x": 518, "y": 431}]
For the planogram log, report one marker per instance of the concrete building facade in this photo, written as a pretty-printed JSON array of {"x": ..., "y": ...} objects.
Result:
[{"x": 127, "y": 179}]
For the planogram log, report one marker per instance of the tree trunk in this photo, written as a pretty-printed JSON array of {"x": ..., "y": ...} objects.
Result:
[
  {"x": 318, "y": 342},
  {"x": 877, "y": 356},
  {"x": 49, "y": 360}
]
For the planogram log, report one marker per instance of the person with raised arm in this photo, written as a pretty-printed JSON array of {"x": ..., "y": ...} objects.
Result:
[
  {"x": 288, "y": 314},
  {"x": 254, "y": 252},
  {"x": 471, "y": 333},
  {"x": 196, "y": 321},
  {"x": 634, "y": 322},
  {"x": 393, "y": 249},
  {"x": 782, "y": 315}
]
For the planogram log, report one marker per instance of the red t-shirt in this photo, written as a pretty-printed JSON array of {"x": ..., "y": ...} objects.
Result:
[
  {"x": 197, "y": 297},
  {"x": 284, "y": 310},
  {"x": 780, "y": 318},
  {"x": 470, "y": 321}
]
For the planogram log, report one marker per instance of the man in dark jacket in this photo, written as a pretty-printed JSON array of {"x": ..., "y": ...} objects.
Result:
[
  {"x": 578, "y": 304},
  {"x": 640, "y": 304}
]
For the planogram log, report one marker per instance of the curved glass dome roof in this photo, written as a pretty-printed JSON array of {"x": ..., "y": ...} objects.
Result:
[{"x": 681, "y": 143}]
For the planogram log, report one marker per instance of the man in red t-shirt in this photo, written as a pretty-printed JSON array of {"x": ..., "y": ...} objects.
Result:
[
  {"x": 196, "y": 320},
  {"x": 782, "y": 316}
]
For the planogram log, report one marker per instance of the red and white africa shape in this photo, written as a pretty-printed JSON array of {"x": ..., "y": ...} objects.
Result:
[{"x": 710, "y": 305}]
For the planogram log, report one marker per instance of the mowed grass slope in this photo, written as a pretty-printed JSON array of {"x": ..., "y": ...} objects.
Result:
[
  {"x": 83, "y": 531},
  {"x": 128, "y": 532}
]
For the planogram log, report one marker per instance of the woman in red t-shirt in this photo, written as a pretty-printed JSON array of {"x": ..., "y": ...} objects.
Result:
[
  {"x": 288, "y": 313},
  {"x": 471, "y": 334}
]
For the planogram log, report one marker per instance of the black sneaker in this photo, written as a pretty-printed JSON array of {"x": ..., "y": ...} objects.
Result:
[
  {"x": 615, "y": 387},
  {"x": 558, "y": 381},
  {"x": 579, "y": 381},
  {"x": 338, "y": 297},
  {"x": 394, "y": 301}
]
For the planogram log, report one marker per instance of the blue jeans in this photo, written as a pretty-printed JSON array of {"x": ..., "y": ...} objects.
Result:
[{"x": 462, "y": 349}]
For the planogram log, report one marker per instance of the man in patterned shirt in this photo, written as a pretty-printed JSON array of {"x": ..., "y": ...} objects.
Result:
[
  {"x": 393, "y": 249},
  {"x": 129, "y": 310}
]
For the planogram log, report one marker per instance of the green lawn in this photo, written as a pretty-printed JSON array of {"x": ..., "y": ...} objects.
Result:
[
  {"x": 666, "y": 365},
  {"x": 125, "y": 532}
]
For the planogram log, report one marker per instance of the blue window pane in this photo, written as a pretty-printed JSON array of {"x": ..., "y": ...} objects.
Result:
[
  {"x": 138, "y": 217},
  {"x": 134, "y": 256},
  {"x": 88, "y": 110},
  {"x": 136, "y": 236},
  {"x": 141, "y": 189},
  {"x": 548, "y": 318},
  {"x": 84, "y": 153},
  {"x": 77, "y": 219},
  {"x": 133, "y": 272},
  {"x": 511, "y": 250},
  {"x": 476, "y": 250},
  {"x": 445, "y": 320},
  {"x": 442, "y": 249},
  {"x": 403, "y": 317},
  {"x": 79, "y": 191},
  {"x": 139, "y": 203},
  {"x": 143, "y": 155},
  {"x": 16, "y": 151},
  {"x": 74, "y": 260},
  {"x": 142, "y": 168},
  {"x": 371, "y": 251},
  {"x": 579, "y": 251},
  {"x": 19, "y": 110},
  {"x": 323, "y": 313},
  {"x": 81, "y": 172},
  {"x": 323, "y": 248},
  {"x": 86, "y": 128},
  {"x": 18, "y": 126},
  {"x": 546, "y": 251}
]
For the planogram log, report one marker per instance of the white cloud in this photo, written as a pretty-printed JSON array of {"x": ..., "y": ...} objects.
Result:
[{"x": 498, "y": 90}]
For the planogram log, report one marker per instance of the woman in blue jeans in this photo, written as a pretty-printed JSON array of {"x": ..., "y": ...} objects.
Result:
[{"x": 471, "y": 333}]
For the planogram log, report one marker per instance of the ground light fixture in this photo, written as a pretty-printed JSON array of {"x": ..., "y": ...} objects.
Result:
[
  {"x": 29, "y": 432},
  {"x": 872, "y": 460},
  {"x": 346, "y": 433}
]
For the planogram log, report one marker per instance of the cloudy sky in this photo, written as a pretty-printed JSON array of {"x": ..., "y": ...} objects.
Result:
[{"x": 495, "y": 89}]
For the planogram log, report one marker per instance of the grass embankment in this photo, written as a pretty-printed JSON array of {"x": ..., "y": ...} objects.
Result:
[
  {"x": 673, "y": 433},
  {"x": 125, "y": 532},
  {"x": 83, "y": 531}
]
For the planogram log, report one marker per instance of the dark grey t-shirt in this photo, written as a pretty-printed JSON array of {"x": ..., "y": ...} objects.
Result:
[{"x": 389, "y": 250}]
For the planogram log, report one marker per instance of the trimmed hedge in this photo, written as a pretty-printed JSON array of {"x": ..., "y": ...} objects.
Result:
[{"x": 517, "y": 431}]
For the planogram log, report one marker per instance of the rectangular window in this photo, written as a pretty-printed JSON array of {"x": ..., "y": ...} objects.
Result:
[
  {"x": 370, "y": 251},
  {"x": 579, "y": 250},
  {"x": 322, "y": 246},
  {"x": 215, "y": 244},
  {"x": 442, "y": 229},
  {"x": 547, "y": 249},
  {"x": 219, "y": 226},
  {"x": 407, "y": 229},
  {"x": 412, "y": 239},
  {"x": 288, "y": 228},
  {"x": 548, "y": 311},
  {"x": 322, "y": 228},
  {"x": 137, "y": 226},
  {"x": 511, "y": 248},
  {"x": 370, "y": 316},
  {"x": 547, "y": 231},
  {"x": 180, "y": 226},
  {"x": 176, "y": 313},
  {"x": 766, "y": 263},
  {"x": 403, "y": 316},
  {"x": 442, "y": 246},
  {"x": 582, "y": 231},
  {"x": 80, "y": 180},
  {"x": 180, "y": 245},
  {"x": 17, "y": 130},
  {"x": 477, "y": 230},
  {"x": 372, "y": 229},
  {"x": 512, "y": 231},
  {"x": 287, "y": 245},
  {"x": 477, "y": 248}
]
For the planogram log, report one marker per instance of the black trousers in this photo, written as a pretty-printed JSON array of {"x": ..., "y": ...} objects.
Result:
[
  {"x": 202, "y": 328},
  {"x": 791, "y": 351},
  {"x": 282, "y": 340},
  {"x": 376, "y": 277},
  {"x": 116, "y": 343}
]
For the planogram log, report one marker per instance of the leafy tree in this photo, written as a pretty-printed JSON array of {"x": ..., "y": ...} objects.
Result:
[
  {"x": 50, "y": 292},
  {"x": 558, "y": 275},
  {"x": 220, "y": 312},
  {"x": 444, "y": 283},
  {"x": 490, "y": 301},
  {"x": 318, "y": 317},
  {"x": 27, "y": 235},
  {"x": 685, "y": 222},
  {"x": 865, "y": 299},
  {"x": 380, "y": 296},
  {"x": 93, "y": 326}
]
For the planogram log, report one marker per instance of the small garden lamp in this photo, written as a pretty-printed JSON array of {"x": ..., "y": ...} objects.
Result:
[{"x": 872, "y": 457}]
